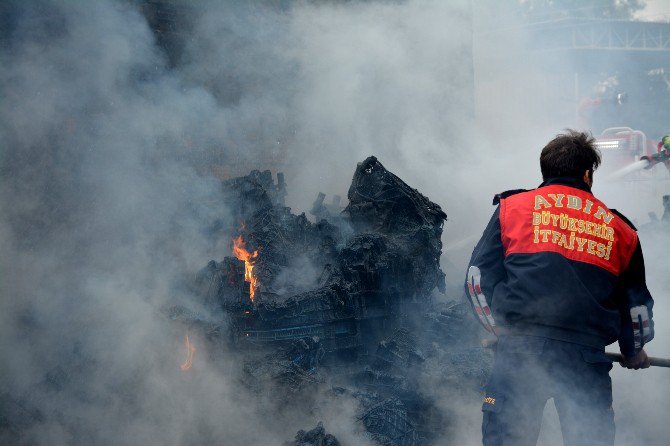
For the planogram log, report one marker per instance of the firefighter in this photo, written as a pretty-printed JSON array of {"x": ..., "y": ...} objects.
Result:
[
  {"x": 664, "y": 150},
  {"x": 664, "y": 143},
  {"x": 557, "y": 276}
]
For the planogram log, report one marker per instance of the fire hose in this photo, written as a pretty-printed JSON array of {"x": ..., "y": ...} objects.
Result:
[
  {"x": 655, "y": 362},
  {"x": 645, "y": 162},
  {"x": 615, "y": 357}
]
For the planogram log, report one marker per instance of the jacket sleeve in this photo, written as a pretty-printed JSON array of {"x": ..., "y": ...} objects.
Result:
[
  {"x": 635, "y": 306},
  {"x": 485, "y": 270}
]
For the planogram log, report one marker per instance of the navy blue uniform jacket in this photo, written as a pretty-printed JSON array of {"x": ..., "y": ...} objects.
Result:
[{"x": 556, "y": 262}]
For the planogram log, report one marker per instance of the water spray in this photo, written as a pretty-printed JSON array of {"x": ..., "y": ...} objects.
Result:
[{"x": 645, "y": 162}]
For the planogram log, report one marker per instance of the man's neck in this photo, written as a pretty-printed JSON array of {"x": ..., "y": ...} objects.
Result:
[{"x": 567, "y": 181}]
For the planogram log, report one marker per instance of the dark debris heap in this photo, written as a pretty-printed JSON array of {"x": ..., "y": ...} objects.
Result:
[{"x": 346, "y": 300}]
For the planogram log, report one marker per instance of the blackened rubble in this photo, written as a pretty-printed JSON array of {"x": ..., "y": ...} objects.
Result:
[
  {"x": 293, "y": 367},
  {"x": 315, "y": 437},
  {"x": 347, "y": 301},
  {"x": 327, "y": 281}
]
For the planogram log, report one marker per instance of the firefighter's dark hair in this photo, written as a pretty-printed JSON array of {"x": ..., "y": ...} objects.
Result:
[{"x": 570, "y": 154}]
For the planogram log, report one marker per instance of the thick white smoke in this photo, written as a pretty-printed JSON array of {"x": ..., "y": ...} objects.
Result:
[{"x": 107, "y": 199}]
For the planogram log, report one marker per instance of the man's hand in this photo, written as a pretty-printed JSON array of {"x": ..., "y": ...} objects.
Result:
[{"x": 639, "y": 361}]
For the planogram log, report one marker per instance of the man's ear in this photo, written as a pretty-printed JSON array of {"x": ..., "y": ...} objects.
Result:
[{"x": 588, "y": 177}]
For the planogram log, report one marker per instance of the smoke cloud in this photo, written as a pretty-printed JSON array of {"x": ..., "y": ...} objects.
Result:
[{"x": 108, "y": 197}]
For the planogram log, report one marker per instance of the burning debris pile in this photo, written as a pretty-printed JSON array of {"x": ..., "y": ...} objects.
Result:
[
  {"x": 336, "y": 312},
  {"x": 290, "y": 278},
  {"x": 346, "y": 300}
]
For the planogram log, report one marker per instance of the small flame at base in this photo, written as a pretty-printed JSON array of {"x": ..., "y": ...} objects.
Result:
[{"x": 190, "y": 351}]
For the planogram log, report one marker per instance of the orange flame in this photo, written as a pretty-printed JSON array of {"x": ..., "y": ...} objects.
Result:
[
  {"x": 190, "y": 351},
  {"x": 249, "y": 258}
]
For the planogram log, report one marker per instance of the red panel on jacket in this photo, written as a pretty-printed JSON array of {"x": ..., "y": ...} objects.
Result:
[{"x": 568, "y": 221}]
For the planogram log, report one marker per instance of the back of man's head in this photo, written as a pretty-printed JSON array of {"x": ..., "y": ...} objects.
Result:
[{"x": 570, "y": 154}]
